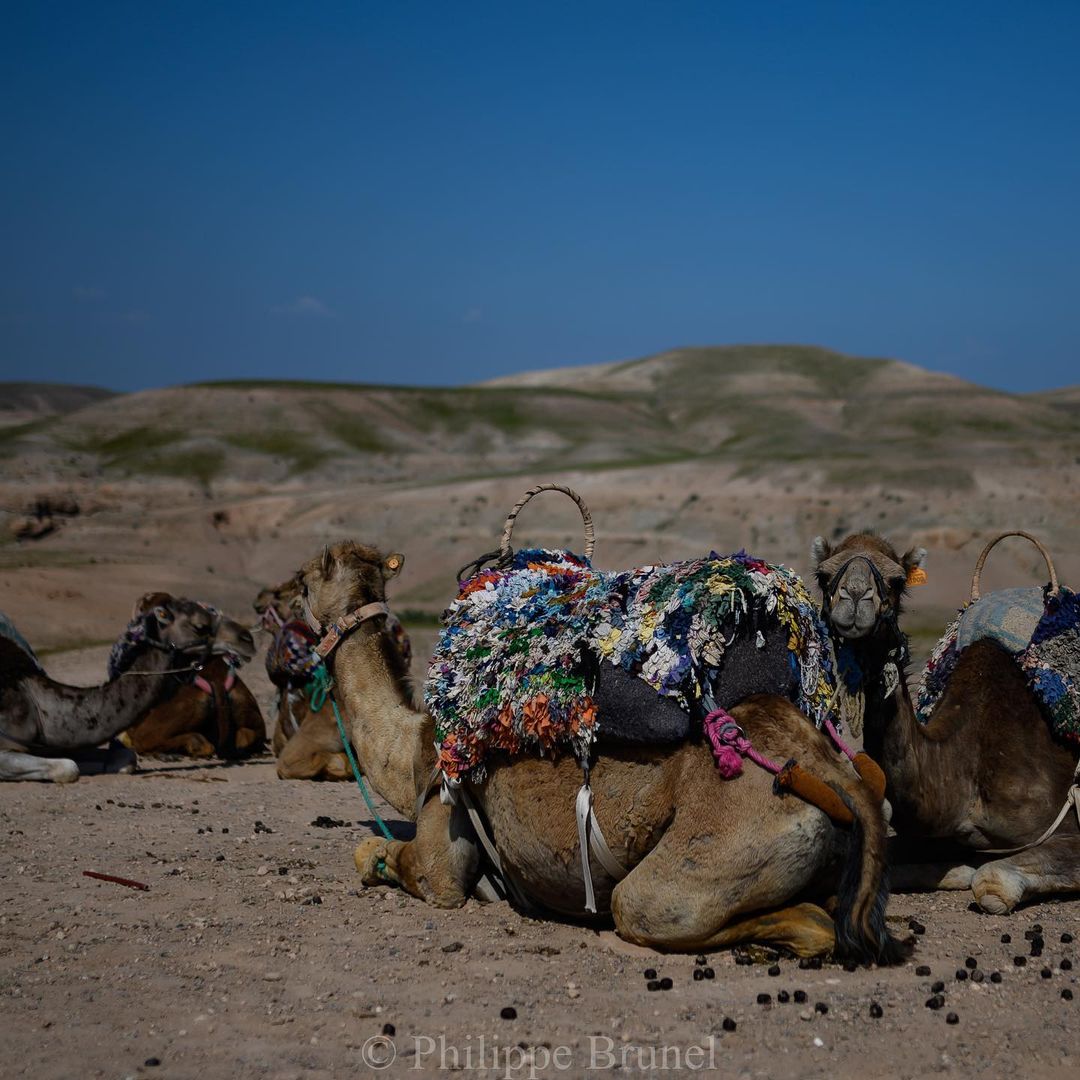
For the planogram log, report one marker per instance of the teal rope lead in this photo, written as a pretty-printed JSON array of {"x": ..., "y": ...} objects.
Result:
[{"x": 322, "y": 686}]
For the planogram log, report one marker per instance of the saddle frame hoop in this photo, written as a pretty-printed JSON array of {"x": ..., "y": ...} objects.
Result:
[
  {"x": 975, "y": 578},
  {"x": 506, "y": 551}
]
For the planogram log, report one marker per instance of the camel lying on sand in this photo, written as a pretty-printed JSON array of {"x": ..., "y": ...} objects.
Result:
[
  {"x": 307, "y": 744},
  {"x": 984, "y": 773},
  {"x": 45, "y": 726},
  {"x": 710, "y": 862}
]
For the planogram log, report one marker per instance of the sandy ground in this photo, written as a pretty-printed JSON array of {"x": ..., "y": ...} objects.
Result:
[{"x": 257, "y": 952}]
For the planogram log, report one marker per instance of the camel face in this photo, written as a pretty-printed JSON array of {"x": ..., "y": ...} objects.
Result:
[
  {"x": 862, "y": 581},
  {"x": 346, "y": 576},
  {"x": 282, "y": 601},
  {"x": 195, "y": 630}
]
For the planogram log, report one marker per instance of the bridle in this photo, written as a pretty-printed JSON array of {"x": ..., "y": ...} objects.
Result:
[
  {"x": 332, "y": 636},
  {"x": 828, "y": 592}
]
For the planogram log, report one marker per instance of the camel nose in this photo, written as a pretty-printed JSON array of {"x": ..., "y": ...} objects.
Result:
[{"x": 854, "y": 596}]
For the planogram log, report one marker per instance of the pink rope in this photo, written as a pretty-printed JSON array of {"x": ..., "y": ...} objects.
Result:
[
  {"x": 841, "y": 745},
  {"x": 730, "y": 745}
]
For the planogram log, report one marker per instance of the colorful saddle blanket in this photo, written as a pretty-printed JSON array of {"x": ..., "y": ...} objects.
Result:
[
  {"x": 516, "y": 665},
  {"x": 7, "y": 630},
  {"x": 1044, "y": 640}
]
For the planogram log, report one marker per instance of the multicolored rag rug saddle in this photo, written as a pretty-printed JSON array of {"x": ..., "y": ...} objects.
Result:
[
  {"x": 515, "y": 667},
  {"x": 1049, "y": 654}
]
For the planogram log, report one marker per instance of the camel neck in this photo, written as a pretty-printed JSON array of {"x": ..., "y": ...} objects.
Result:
[
  {"x": 75, "y": 717},
  {"x": 394, "y": 742}
]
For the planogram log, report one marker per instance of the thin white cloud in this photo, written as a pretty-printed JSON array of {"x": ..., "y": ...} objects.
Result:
[
  {"x": 87, "y": 294},
  {"x": 310, "y": 306}
]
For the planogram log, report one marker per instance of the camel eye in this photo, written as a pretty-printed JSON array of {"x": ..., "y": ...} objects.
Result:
[{"x": 163, "y": 615}]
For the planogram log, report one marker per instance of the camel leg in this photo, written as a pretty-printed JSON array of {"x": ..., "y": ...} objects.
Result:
[
  {"x": 192, "y": 744},
  {"x": 248, "y": 738},
  {"x": 929, "y": 877},
  {"x": 440, "y": 866},
  {"x": 113, "y": 759},
  {"x": 15, "y": 765},
  {"x": 1052, "y": 867}
]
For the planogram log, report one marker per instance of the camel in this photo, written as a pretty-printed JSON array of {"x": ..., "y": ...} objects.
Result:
[
  {"x": 712, "y": 863},
  {"x": 983, "y": 774},
  {"x": 307, "y": 744},
  {"x": 45, "y": 724},
  {"x": 216, "y": 715}
]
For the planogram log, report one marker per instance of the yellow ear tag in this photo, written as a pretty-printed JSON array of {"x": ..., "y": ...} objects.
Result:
[
  {"x": 916, "y": 576},
  {"x": 393, "y": 563}
]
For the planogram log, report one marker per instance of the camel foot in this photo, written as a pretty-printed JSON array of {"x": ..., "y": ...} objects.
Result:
[
  {"x": 370, "y": 859},
  {"x": 63, "y": 771},
  {"x": 998, "y": 888}
]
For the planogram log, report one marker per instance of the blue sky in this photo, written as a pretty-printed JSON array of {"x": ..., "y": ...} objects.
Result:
[{"x": 444, "y": 192}]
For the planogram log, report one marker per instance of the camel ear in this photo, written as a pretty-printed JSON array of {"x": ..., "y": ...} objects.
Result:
[
  {"x": 820, "y": 550},
  {"x": 327, "y": 563},
  {"x": 148, "y": 602},
  {"x": 392, "y": 565},
  {"x": 913, "y": 564}
]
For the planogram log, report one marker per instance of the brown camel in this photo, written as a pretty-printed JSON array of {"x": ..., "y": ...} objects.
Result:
[
  {"x": 307, "y": 744},
  {"x": 983, "y": 773},
  {"x": 45, "y": 726},
  {"x": 711, "y": 862}
]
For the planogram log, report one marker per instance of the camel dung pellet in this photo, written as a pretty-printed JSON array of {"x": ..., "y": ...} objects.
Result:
[
  {"x": 938, "y": 986},
  {"x": 961, "y": 974},
  {"x": 764, "y": 999},
  {"x": 971, "y": 963},
  {"x": 699, "y": 960},
  {"x": 742, "y": 960},
  {"x": 698, "y": 975},
  {"x": 1019, "y": 961},
  {"x": 652, "y": 984},
  {"x": 1066, "y": 938},
  {"x": 922, "y": 969},
  {"x": 389, "y": 1029},
  {"x": 851, "y": 965},
  {"x": 1046, "y": 973},
  {"x": 1037, "y": 927},
  {"x": 1006, "y": 938},
  {"x": 728, "y": 1024},
  {"x": 1066, "y": 964},
  {"x": 1028, "y": 935},
  {"x": 783, "y": 997},
  {"x": 508, "y": 1012},
  {"x": 1067, "y": 994},
  {"x": 995, "y": 976},
  {"x": 876, "y": 1011},
  {"x": 666, "y": 983},
  {"x": 708, "y": 973},
  {"x": 977, "y": 976},
  {"x": 774, "y": 970},
  {"x": 952, "y": 1018},
  {"x": 649, "y": 973},
  {"x": 152, "y": 1062},
  {"x": 936, "y": 1002},
  {"x": 916, "y": 927},
  {"x": 821, "y": 1007},
  {"x": 800, "y": 997}
]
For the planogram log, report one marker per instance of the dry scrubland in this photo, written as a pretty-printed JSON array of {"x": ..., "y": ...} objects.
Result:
[{"x": 215, "y": 490}]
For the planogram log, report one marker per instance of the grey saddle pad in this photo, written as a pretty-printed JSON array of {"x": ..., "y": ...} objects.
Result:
[
  {"x": 1007, "y": 616},
  {"x": 629, "y": 710}
]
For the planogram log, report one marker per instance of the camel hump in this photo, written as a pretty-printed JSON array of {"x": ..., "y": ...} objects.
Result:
[
  {"x": 1006, "y": 616},
  {"x": 17, "y": 659}
]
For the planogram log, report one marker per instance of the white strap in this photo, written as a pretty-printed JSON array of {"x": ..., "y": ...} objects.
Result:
[
  {"x": 1071, "y": 799},
  {"x": 591, "y": 838}
]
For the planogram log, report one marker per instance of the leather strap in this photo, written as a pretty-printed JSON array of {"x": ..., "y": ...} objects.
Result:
[{"x": 331, "y": 638}]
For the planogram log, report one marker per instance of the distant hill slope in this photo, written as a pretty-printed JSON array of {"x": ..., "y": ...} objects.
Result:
[
  {"x": 21, "y": 402},
  {"x": 845, "y": 420}
]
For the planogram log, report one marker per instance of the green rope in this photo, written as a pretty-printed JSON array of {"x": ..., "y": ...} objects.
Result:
[{"x": 322, "y": 686}]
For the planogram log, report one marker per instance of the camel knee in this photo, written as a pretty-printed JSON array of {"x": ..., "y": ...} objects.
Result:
[{"x": 998, "y": 887}]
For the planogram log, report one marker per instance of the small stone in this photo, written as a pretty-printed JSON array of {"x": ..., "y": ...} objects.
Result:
[
  {"x": 952, "y": 1018},
  {"x": 961, "y": 974},
  {"x": 937, "y": 987},
  {"x": 876, "y": 1011},
  {"x": 728, "y": 1024},
  {"x": 452, "y": 947},
  {"x": 800, "y": 997},
  {"x": 774, "y": 970},
  {"x": 573, "y": 992},
  {"x": 971, "y": 963},
  {"x": 272, "y": 976},
  {"x": 783, "y": 997},
  {"x": 219, "y": 858},
  {"x": 649, "y": 973},
  {"x": 764, "y": 999},
  {"x": 995, "y": 976},
  {"x": 508, "y": 1012},
  {"x": 708, "y": 973},
  {"x": 1006, "y": 938},
  {"x": 652, "y": 984},
  {"x": 389, "y": 1029},
  {"x": 821, "y": 1007},
  {"x": 262, "y": 871},
  {"x": 922, "y": 970},
  {"x": 1067, "y": 994}
]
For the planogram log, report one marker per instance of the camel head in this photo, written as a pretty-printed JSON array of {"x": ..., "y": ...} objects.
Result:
[
  {"x": 278, "y": 604},
  {"x": 344, "y": 577},
  {"x": 863, "y": 581},
  {"x": 192, "y": 629}
]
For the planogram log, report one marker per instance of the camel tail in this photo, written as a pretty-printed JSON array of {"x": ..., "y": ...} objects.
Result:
[{"x": 861, "y": 931}]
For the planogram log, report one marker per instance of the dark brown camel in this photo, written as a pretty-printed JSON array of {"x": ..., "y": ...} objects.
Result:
[{"x": 983, "y": 773}]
